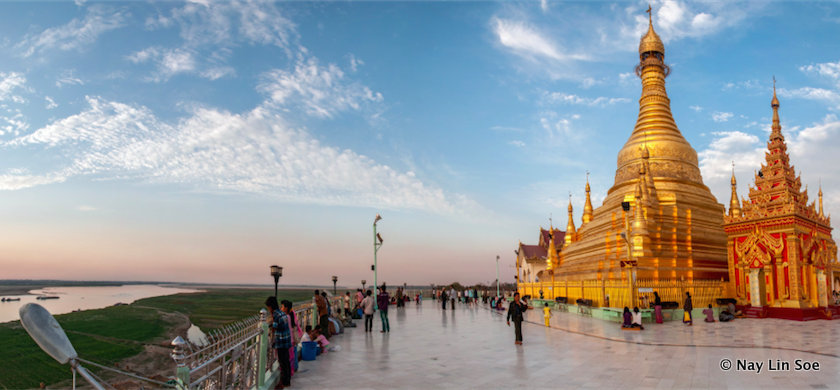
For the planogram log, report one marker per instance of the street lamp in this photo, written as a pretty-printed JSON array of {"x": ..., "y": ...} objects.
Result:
[
  {"x": 363, "y": 286},
  {"x": 276, "y": 272},
  {"x": 335, "y": 279},
  {"x": 497, "y": 275},
  {"x": 377, "y": 243}
]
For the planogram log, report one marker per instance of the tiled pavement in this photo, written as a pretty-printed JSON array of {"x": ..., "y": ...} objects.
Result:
[{"x": 472, "y": 348}]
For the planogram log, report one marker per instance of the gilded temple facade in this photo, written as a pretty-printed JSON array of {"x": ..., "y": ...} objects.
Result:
[
  {"x": 782, "y": 258},
  {"x": 659, "y": 227}
]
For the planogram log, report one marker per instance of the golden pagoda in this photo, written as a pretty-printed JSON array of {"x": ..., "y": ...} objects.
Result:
[
  {"x": 782, "y": 258},
  {"x": 659, "y": 227}
]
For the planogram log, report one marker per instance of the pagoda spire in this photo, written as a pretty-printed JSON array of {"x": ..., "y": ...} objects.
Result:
[
  {"x": 570, "y": 228},
  {"x": 776, "y": 128},
  {"x": 734, "y": 203},
  {"x": 587, "y": 206},
  {"x": 822, "y": 215},
  {"x": 552, "y": 259}
]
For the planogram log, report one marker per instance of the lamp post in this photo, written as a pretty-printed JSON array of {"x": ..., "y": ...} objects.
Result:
[
  {"x": 334, "y": 279},
  {"x": 363, "y": 286},
  {"x": 276, "y": 272},
  {"x": 497, "y": 275},
  {"x": 377, "y": 243}
]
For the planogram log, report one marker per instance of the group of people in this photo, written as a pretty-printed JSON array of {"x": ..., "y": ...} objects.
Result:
[{"x": 634, "y": 319}]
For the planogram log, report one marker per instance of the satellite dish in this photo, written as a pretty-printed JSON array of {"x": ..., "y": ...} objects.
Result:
[{"x": 45, "y": 330}]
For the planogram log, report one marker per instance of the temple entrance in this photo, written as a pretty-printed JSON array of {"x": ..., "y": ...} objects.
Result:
[{"x": 758, "y": 287}]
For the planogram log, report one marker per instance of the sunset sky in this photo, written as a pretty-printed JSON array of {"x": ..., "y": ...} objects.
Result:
[{"x": 205, "y": 141}]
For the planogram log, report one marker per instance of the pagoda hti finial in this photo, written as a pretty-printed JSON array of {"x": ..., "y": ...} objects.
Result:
[
  {"x": 650, "y": 15},
  {"x": 819, "y": 194},
  {"x": 570, "y": 227},
  {"x": 734, "y": 203},
  {"x": 587, "y": 205}
]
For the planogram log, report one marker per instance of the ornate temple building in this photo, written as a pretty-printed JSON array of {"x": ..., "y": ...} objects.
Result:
[
  {"x": 782, "y": 259},
  {"x": 531, "y": 259},
  {"x": 661, "y": 229}
]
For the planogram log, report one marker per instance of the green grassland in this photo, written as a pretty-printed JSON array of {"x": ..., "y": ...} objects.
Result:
[
  {"x": 215, "y": 308},
  {"x": 112, "y": 334}
]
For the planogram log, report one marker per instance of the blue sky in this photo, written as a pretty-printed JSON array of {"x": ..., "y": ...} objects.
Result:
[{"x": 204, "y": 141}]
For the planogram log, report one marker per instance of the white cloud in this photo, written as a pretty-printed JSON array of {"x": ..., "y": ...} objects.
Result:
[
  {"x": 256, "y": 151},
  {"x": 517, "y": 143},
  {"x": 86, "y": 208},
  {"x": 560, "y": 97},
  {"x": 170, "y": 62},
  {"x": 696, "y": 108},
  {"x": 320, "y": 90},
  {"x": 76, "y": 34},
  {"x": 826, "y": 96},
  {"x": 68, "y": 77},
  {"x": 11, "y": 84},
  {"x": 13, "y": 122},
  {"x": 721, "y": 116},
  {"x": 830, "y": 70},
  {"x": 50, "y": 103},
  {"x": 676, "y": 20},
  {"x": 527, "y": 42}
]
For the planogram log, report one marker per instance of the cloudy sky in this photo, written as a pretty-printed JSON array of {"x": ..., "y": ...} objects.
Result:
[{"x": 204, "y": 141}]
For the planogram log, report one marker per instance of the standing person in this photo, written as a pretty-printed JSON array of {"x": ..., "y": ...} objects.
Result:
[
  {"x": 687, "y": 306},
  {"x": 383, "y": 299},
  {"x": 657, "y": 307},
  {"x": 323, "y": 313},
  {"x": 286, "y": 307},
  {"x": 443, "y": 298},
  {"x": 282, "y": 340},
  {"x": 347, "y": 305},
  {"x": 399, "y": 297},
  {"x": 452, "y": 296},
  {"x": 515, "y": 311},
  {"x": 367, "y": 307}
]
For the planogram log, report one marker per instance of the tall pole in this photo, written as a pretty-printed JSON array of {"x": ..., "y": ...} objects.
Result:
[
  {"x": 497, "y": 275},
  {"x": 377, "y": 243}
]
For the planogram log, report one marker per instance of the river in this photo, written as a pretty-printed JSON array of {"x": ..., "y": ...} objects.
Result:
[{"x": 84, "y": 298}]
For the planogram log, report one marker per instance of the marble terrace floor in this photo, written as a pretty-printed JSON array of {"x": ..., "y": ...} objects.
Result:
[{"x": 471, "y": 347}]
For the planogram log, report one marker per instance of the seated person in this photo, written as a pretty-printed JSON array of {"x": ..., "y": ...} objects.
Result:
[
  {"x": 628, "y": 318},
  {"x": 306, "y": 336},
  {"x": 637, "y": 319},
  {"x": 710, "y": 314},
  {"x": 725, "y": 316},
  {"x": 315, "y": 335},
  {"x": 734, "y": 311}
]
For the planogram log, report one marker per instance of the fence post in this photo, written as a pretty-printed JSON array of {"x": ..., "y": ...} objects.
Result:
[
  {"x": 182, "y": 372},
  {"x": 261, "y": 360}
]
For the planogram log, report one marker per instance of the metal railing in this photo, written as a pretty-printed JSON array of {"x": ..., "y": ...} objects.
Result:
[
  {"x": 617, "y": 293},
  {"x": 236, "y": 356}
]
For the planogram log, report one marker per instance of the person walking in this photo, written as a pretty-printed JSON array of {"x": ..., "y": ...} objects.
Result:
[
  {"x": 368, "y": 308},
  {"x": 282, "y": 340},
  {"x": 687, "y": 306},
  {"x": 323, "y": 313},
  {"x": 383, "y": 299},
  {"x": 657, "y": 307},
  {"x": 515, "y": 311}
]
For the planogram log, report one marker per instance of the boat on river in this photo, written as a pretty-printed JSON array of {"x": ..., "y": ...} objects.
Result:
[
  {"x": 45, "y": 297},
  {"x": 9, "y": 299}
]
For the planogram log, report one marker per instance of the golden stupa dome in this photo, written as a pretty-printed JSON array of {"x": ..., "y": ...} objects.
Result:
[{"x": 651, "y": 41}]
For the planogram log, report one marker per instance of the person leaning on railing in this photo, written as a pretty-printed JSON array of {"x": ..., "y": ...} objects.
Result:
[{"x": 282, "y": 340}]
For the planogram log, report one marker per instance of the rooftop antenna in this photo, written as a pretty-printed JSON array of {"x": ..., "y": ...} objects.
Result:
[{"x": 47, "y": 333}]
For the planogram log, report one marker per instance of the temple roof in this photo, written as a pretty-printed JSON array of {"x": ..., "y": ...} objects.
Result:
[
  {"x": 533, "y": 251},
  {"x": 545, "y": 237}
]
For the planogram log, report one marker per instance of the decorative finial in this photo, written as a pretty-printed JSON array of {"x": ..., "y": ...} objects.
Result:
[
  {"x": 550, "y": 223},
  {"x": 650, "y": 15}
]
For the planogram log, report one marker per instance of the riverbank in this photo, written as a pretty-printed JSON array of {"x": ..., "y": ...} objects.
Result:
[{"x": 132, "y": 337}]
